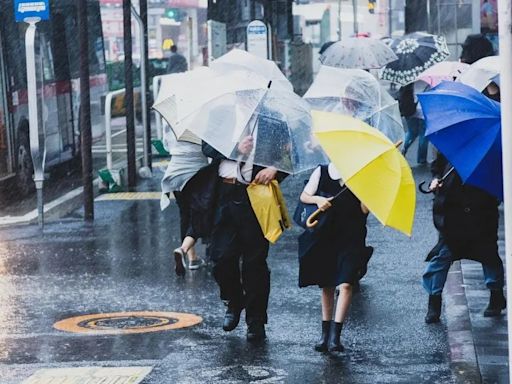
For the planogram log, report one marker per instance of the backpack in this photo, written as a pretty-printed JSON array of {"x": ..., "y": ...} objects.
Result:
[{"x": 406, "y": 102}]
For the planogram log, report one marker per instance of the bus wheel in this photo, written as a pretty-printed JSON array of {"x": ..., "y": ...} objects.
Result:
[{"x": 25, "y": 171}]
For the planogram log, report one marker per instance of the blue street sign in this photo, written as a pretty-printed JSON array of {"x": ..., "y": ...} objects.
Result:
[{"x": 27, "y": 9}]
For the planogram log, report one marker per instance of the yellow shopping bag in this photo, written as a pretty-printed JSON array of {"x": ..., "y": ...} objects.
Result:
[{"x": 270, "y": 209}]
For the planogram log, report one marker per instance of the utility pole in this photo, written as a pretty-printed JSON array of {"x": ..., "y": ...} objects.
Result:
[
  {"x": 85, "y": 112},
  {"x": 128, "y": 96},
  {"x": 505, "y": 33},
  {"x": 143, "y": 4},
  {"x": 354, "y": 10},
  {"x": 339, "y": 19}
]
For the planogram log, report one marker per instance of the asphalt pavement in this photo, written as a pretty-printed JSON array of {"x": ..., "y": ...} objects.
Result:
[{"x": 123, "y": 262}]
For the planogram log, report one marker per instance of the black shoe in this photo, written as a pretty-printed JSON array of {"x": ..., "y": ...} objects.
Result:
[
  {"x": 434, "y": 309},
  {"x": 334, "y": 344},
  {"x": 180, "y": 260},
  {"x": 232, "y": 316},
  {"x": 256, "y": 332},
  {"x": 497, "y": 303},
  {"x": 321, "y": 346}
]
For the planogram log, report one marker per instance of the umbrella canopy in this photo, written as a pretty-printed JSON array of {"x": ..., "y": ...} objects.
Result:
[
  {"x": 481, "y": 73},
  {"x": 363, "y": 53},
  {"x": 443, "y": 71},
  {"x": 240, "y": 60},
  {"x": 371, "y": 166},
  {"x": 356, "y": 93},
  {"x": 174, "y": 85},
  {"x": 465, "y": 126},
  {"x": 279, "y": 122},
  {"x": 416, "y": 53}
]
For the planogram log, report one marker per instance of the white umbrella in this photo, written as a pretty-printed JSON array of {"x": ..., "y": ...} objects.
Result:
[
  {"x": 481, "y": 73},
  {"x": 356, "y": 93},
  {"x": 443, "y": 71},
  {"x": 363, "y": 53},
  {"x": 239, "y": 60}
]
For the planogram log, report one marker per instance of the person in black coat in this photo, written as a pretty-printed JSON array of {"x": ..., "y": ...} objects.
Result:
[
  {"x": 237, "y": 235},
  {"x": 467, "y": 220}
]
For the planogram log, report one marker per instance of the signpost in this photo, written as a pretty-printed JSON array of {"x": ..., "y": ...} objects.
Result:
[
  {"x": 257, "y": 39},
  {"x": 216, "y": 39},
  {"x": 32, "y": 12}
]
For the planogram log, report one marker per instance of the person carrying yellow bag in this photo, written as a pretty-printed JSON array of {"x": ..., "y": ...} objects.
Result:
[{"x": 270, "y": 209}]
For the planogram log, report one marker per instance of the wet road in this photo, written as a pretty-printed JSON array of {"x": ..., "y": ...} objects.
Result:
[{"x": 123, "y": 263}]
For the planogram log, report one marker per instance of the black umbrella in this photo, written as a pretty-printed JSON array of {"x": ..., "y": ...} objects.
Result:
[{"x": 416, "y": 52}]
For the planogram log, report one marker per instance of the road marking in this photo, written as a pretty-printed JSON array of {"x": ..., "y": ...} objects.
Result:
[
  {"x": 120, "y": 323},
  {"x": 130, "y": 196},
  {"x": 117, "y": 375},
  {"x": 161, "y": 164}
]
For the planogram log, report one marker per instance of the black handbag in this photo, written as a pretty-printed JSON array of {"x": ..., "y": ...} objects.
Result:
[{"x": 302, "y": 212}]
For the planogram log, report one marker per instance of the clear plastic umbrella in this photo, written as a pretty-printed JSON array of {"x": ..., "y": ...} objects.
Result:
[
  {"x": 356, "y": 93},
  {"x": 363, "y": 53},
  {"x": 171, "y": 87},
  {"x": 239, "y": 60},
  {"x": 279, "y": 122},
  {"x": 480, "y": 74}
]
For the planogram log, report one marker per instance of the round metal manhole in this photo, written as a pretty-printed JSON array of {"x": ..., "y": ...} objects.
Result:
[{"x": 119, "y": 323}]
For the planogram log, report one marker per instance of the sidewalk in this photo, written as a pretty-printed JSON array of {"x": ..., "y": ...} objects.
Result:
[{"x": 489, "y": 334}]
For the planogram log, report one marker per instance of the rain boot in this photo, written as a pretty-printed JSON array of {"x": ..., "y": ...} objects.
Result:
[
  {"x": 497, "y": 303},
  {"x": 434, "y": 309},
  {"x": 321, "y": 346},
  {"x": 334, "y": 344}
]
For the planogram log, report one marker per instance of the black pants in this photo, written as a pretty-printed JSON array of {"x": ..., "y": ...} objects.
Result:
[
  {"x": 185, "y": 215},
  {"x": 237, "y": 235}
]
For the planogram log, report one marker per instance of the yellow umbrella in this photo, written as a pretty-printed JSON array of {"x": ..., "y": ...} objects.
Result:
[{"x": 371, "y": 166}]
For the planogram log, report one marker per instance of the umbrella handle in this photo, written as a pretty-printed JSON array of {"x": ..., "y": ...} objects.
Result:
[
  {"x": 423, "y": 190},
  {"x": 311, "y": 222}
]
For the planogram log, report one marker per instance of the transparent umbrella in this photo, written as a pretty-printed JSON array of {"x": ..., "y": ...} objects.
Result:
[
  {"x": 239, "y": 60},
  {"x": 363, "y": 53},
  {"x": 279, "y": 122},
  {"x": 481, "y": 73},
  {"x": 356, "y": 93}
]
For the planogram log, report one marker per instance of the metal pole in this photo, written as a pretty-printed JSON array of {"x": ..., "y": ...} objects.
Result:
[
  {"x": 38, "y": 153},
  {"x": 143, "y": 88},
  {"x": 85, "y": 112},
  {"x": 339, "y": 19},
  {"x": 128, "y": 98},
  {"x": 354, "y": 10},
  {"x": 505, "y": 35},
  {"x": 146, "y": 111}
]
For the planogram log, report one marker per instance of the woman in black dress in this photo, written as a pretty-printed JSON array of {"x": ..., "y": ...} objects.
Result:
[{"x": 333, "y": 254}]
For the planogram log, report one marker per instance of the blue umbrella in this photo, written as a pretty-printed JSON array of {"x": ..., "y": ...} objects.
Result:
[{"x": 465, "y": 126}]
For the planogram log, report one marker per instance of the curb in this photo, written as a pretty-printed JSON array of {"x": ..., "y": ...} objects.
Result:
[{"x": 463, "y": 358}]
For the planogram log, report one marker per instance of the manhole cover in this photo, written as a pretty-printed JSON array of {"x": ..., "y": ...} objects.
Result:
[
  {"x": 127, "y": 322},
  {"x": 118, "y": 375}
]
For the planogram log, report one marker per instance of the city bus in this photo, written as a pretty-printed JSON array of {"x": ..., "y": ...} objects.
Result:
[{"x": 58, "y": 51}]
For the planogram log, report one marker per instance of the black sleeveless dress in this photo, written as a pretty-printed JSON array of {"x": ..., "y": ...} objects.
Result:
[{"x": 336, "y": 252}]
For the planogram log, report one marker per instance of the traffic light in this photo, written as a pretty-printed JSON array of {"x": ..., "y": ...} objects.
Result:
[
  {"x": 174, "y": 14},
  {"x": 371, "y": 6}
]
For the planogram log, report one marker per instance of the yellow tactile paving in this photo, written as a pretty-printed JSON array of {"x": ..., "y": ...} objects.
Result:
[
  {"x": 160, "y": 164},
  {"x": 130, "y": 196},
  {"x": 117, "y": 375},
  {"x": 119, "y": 323}
]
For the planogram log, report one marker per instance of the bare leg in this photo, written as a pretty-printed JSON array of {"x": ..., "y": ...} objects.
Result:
[
  {"x": 327, "y": 303},
  {"x": 343, "y": 304},
  {"x": 188, "y": 247}
]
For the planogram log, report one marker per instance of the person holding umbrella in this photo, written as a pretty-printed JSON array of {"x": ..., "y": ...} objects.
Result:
[
  {"x": 236, "y": 232},
  {"x": 465, "y": 127},
  {"x": 334, "y": 254}
]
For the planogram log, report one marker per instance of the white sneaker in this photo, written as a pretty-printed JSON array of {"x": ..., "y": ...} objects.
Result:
[
  {"x": 196, "y": 264},
  {"x": 180, "y": 259}
]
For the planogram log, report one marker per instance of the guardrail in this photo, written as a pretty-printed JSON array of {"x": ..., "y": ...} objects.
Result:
[{"x": 108, "y": 124}]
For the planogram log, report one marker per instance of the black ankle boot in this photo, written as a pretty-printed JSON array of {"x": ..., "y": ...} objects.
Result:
[
  {"x": 321, "y": 346},
  {"x": 497, "y": 303},
  {"x": 434, "y": 309},
  {"x": 334, "y": 344}
]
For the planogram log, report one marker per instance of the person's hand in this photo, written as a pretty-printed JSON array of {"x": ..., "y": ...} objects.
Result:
[
  {"x": 323, "y": 203},
  {"x": 245, "y": 146},
  {"x": 435, "y": 184},
  {"x": 265, "y": 176}
]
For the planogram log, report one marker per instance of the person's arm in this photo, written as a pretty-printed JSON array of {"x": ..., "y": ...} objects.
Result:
[
  {"x": 437, "y": 168},
  {"x": 323, "y": 203}
]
